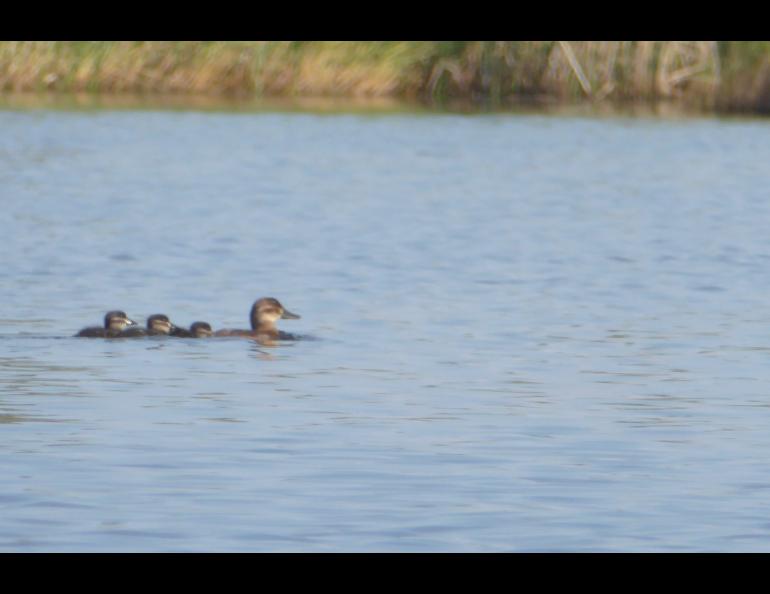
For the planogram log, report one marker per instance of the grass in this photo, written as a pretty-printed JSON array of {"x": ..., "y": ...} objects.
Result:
[{"x": 726, "y": 75}]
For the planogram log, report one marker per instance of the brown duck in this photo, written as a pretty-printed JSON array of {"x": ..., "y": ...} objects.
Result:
[
  {"x": 264, "y": 314},
  {"x": 114, "y": 323},
  {"x": 157, "y": 325},
  {"x": 197, "y": 330}
]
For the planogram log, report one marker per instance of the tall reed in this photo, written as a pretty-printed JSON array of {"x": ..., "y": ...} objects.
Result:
[{"x": 723, "y": 75}]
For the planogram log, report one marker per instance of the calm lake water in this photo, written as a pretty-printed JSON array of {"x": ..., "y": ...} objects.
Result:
[{"x": 530, "y": 332}]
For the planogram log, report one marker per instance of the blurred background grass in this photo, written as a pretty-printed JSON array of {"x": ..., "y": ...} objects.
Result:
[{"x": 724, "y": 75}]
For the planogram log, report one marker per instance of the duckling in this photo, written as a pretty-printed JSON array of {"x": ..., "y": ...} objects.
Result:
[
  {"x": 157, "y": 325},
  {"x": 197, "y": 330},
  {"x": 264, "y": 314},
  {"x": 114, "y": 323}
]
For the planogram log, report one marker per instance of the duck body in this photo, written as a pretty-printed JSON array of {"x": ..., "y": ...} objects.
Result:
[
  {"x": 93, "y": 332},
  {"x": 263, "y": 315},
  {"x": 133, "y": 332},
  {"x": 115, "y": 322}
]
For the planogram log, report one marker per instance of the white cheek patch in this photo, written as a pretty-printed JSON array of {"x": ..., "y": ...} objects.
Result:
[{"x": 270, "y": 315}]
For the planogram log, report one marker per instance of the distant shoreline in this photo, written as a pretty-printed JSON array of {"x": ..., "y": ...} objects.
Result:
[
  {"x": 721, "y": 77},
  {"x": 65, "y": 101}
]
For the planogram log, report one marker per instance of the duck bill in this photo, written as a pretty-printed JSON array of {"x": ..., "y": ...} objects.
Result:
[
  {"x": 130, "y": 322},
  {"x": 287, "y": 315}
]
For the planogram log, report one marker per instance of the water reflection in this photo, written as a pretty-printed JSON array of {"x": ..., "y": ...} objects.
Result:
[{"x": 6, "y": 418}]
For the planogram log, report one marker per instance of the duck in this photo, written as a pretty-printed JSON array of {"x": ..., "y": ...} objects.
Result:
[
  {"x": 115, "y": 322},
  {"x": 157, "y": 325},
  {"x": 197, "y": 330},
  {"x": 264, "y": 314}
]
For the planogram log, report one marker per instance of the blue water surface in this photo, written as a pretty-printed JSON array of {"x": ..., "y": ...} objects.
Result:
[{"x": 531, "y": 332}]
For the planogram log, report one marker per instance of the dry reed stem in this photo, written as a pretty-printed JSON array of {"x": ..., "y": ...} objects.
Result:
[{"x": 576, "y": 68}]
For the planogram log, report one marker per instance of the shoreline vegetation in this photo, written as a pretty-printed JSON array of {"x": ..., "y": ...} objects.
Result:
[{"x": 724, "y": 76}]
